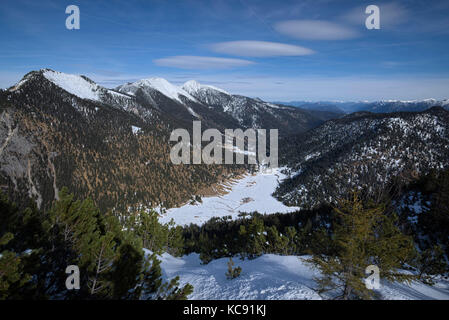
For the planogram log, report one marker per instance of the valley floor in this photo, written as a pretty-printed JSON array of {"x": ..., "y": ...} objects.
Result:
[
  {"x": 249, "y": 194},
  {"x": 273, "y": 277},
  {"x": 269, "y": 277}
]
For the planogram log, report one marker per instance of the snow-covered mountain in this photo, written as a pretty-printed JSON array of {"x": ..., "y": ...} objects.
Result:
[
  {"x": 382, "y": 106},
  {"x": 363, "y": 150},
  {"x": 255, "y": 113},
  {"x": 157, "y": 84},
  {"x": 152, "y": 88},
  {"x": 221, "y": 109},
  {"x": 403, "y": 106},
  {"x": 84, "y": 88},
  {"x": 60, "y": 129}
]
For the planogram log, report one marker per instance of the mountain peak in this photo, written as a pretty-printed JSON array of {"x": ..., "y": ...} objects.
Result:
[
  {"x": 162, "y": 85},
  {"x": 80, "y": 86},
  {"x": 193, "y": 86}
]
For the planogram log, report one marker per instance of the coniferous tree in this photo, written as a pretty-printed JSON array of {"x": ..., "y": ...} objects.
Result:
[
  {"x": 36, "y": 248},
  {"x": 363, "y": 236},
  {"x": 11, "y": 269},
  {"x": 252, "y": 238},
  {"x": 232, "y": 272}
]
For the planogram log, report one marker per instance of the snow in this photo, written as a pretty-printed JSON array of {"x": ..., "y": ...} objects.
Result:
[
  {"x": 18, "y": 85},
  {"x": 74, "y": 84},
  {"x": 166, "y": 88},
  {"x": 274, "y": 106},
  {"x": 249, "y": 194},
  {"x": 274, "y": 277},
  {"x": 268, "y": 277},
  {"x": 193, "y": 87},
  {"x": 135, "y": 129}
]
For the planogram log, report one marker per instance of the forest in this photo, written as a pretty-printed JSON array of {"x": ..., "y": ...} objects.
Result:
[{"x": 118, "y": 254}]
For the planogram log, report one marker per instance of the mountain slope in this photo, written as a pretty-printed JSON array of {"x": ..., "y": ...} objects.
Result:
[
  {"x": 362, "y": 150},
  {"x": 274, "y": 277},
  {"x": 382, "y": 106},
  {"x": 60, "y": 130},
  {"x": 255, "y": 113},
  {"x": 100, "y": 144},
  {"x": 387, "y": 106}
]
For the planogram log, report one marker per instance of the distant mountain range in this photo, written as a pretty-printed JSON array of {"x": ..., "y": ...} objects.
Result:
[{"x": 383, "y": 106}]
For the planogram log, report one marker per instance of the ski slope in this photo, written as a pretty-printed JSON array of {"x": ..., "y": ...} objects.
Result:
[
  {"x": 273, "y": 277},
  {"x": 249, "y": 194}
]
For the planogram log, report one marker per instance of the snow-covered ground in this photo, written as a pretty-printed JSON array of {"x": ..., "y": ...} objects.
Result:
[
  {"x": 249, "y": 194},
  {"x": 273, "y": 277},
  {"x": 74, "y": 84}
]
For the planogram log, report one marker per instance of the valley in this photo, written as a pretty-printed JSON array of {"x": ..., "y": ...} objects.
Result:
[
  {"x": 64, "y": 137},
  {"x": 252, "y": 193}
]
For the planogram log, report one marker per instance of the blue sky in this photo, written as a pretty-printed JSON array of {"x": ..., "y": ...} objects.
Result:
[{"x": 275, "y": 50}]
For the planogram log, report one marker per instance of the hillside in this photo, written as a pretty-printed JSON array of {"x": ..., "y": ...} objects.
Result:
[
  {"x": 112, "y": 145},
  {"x": 362, "y": 151}
]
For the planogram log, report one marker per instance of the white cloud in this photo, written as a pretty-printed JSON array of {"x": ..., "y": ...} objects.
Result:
[
  {"x": 197, "y": 62},
  {"x": 260, "y": 49},
  {"x": 315, "y": 30}
]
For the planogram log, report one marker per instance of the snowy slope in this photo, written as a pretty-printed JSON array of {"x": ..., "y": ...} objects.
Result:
[
  {"x": 193, "y": 87},
  {"x": 85, "y": 88},
  {"x": 252, "y": 193},
  {"x": 273, "y": 277},
  {"x": 159, "y": 84},
  {"x": 74, "y": 84}
]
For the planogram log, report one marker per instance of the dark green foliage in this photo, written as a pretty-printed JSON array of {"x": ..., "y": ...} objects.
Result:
[
  {"x": 432, "y": 262},
  {"x": 435, "y": 222},
  {"x": 252, "y": 238},
  {"x": 155, "y": 236},
  {"x": 429, "y": 223},
  {"x": 37, "y": 247},
  {"x": 255, "y": 234},
  {"x": 363, "y": 235}
]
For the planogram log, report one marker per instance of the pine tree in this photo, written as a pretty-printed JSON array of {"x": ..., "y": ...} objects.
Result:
[
  {"x": 431, "y": 263},
  {"x": 252, "y": 238},
  {"x": 277, "y": 243},
  {"x": 363, "y": 236},
  {"x": 232, "y": 272},
  {"x": 11, "y": 272}
]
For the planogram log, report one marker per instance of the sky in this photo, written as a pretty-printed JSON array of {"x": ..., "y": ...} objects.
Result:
[{"x": 302, "y": 50}]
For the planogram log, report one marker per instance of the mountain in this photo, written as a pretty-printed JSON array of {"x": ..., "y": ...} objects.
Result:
[
  {"x": 362, "y": 150},
  {"x": 64, "y": 130},
  {"x": 316, "y": 106},
  {"x": 255, "y": 113},
  {"x": 112, "y": 145},
  {"x": 382, "y": 106},
  {"x": 386, "y": 106}
]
